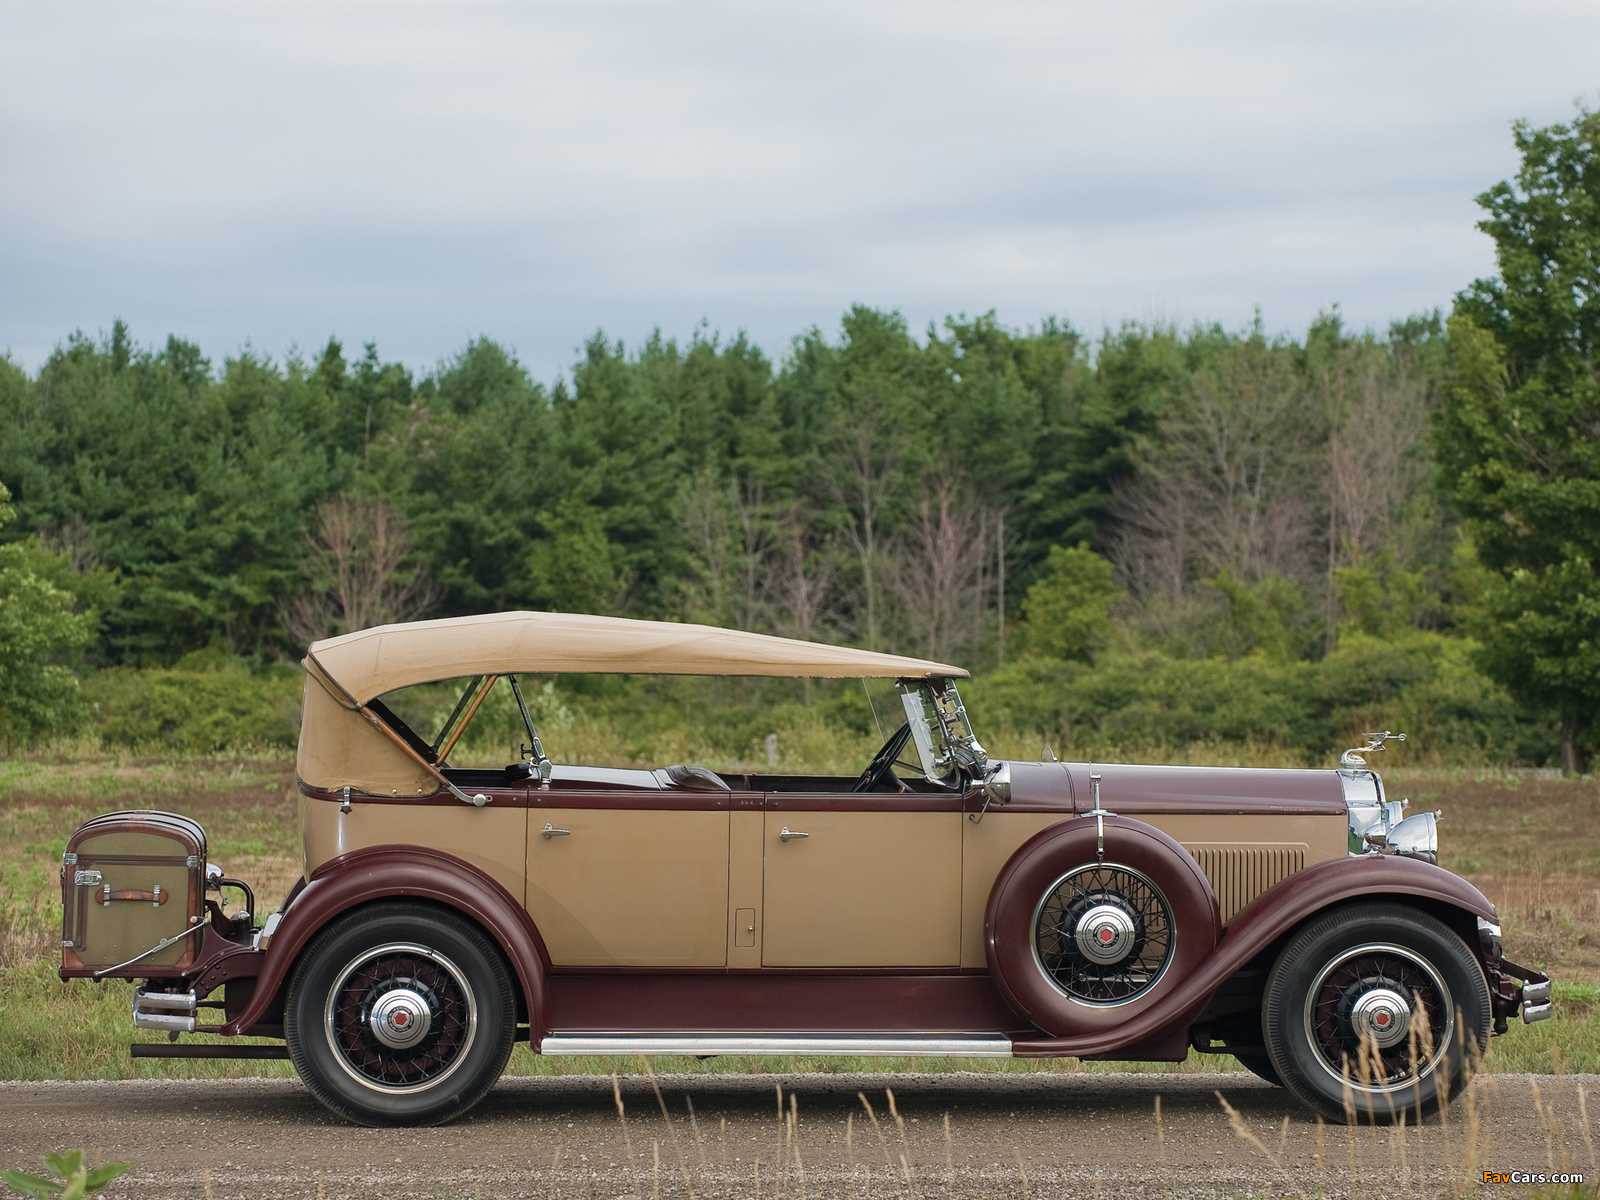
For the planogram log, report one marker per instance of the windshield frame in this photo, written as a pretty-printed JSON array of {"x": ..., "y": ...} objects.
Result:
[{"x": 942, "y": 732}]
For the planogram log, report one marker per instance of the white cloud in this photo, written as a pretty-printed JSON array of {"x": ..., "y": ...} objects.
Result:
[{"x": 419, "y": 173}]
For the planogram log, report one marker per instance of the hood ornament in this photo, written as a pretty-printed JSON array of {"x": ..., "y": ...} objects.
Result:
[{"x": 1351, "y": 759}]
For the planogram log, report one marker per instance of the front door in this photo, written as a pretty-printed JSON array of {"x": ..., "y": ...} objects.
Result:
[
  {"x": 629, "y": 878},
  {"x": 862, "y": 880}
]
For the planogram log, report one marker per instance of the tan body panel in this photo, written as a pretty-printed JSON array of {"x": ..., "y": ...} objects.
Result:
[
  {"x": 988, "y": 845},
  {"x": 1247, "y": 855},
  {"x": 744, "y": 888},
  {"x": 490, "y": 838},
  {"x": 864, "y": 889},
  {"x": 630, "y": 887}
]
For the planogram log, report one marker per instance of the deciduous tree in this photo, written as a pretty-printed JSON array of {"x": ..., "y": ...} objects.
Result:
[{"x": 1518, "y": 434}]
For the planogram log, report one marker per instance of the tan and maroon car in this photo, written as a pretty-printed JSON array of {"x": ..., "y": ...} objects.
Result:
[{"x": 939, "y": 903}]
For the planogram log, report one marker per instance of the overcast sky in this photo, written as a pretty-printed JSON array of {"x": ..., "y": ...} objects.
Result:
[{"x": 418, "y": 174}]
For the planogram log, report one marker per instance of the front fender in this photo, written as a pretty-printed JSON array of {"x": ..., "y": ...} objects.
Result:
[
  {"x": 379, "y": 872},
  {"x": 1268, "y": 917}
]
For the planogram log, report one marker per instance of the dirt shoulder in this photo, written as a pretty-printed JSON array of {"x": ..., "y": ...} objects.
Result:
[{"x": 1039, "y": 1135}]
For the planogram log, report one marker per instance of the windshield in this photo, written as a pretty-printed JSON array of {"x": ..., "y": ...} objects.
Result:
[
  {"x": 434, "y": 717},
  {"x": 940, "y": 730}
]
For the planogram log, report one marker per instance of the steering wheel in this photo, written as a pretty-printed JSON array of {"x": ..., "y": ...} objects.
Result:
[{"x": 881, "y": 767}]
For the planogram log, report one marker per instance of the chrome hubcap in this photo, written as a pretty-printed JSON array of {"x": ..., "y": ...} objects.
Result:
[
  {"x": 1383, "y": 1015},
  {"x": 1105, "y": 934},
  {"x": 400, "y": 1018}
]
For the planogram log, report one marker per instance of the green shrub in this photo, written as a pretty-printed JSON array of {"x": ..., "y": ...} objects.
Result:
[
  {"x": 200, "y": 705},
  {"x": 1148, "y": 703}
]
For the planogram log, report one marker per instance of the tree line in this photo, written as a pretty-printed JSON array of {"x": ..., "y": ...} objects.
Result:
[{"x": 993, "y": 496}]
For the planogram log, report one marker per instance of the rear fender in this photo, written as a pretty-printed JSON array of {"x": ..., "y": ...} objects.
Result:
[
  {"x": 1271, "y": 916},
  {"x": 390, "y": 872}
]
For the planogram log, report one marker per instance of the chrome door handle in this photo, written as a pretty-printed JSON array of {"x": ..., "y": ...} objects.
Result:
[
  {"x": 549, "y": 831},
  {"x": 788, "y": 833}
]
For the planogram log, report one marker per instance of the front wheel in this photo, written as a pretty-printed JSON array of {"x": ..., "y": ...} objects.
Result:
[
  {"x": 1375, "y": 1010},
  {"x": 400, "y": 1014}
]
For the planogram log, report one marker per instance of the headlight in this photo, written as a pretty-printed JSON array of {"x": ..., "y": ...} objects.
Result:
[{"x": 1415, "y": 837}]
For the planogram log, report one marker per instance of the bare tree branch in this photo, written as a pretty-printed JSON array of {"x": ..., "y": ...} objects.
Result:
[{"x": 357, "y": 555}]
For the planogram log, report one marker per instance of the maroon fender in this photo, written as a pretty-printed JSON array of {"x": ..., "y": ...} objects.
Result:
[
  {"x": 379, "y": 872},
  {"x": 1268, "y": 917},
  {"x": 1038, "y": 864}
]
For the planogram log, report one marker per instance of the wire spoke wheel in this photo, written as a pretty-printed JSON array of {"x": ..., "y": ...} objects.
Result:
[
  {"x": 1379, "y": 1015},
  {"x": 1103, "y": 934},
  {"x": 400, "y": 1018}
]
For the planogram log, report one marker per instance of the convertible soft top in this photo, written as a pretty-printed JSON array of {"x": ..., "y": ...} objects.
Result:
[{"x": 374, "y": 661}]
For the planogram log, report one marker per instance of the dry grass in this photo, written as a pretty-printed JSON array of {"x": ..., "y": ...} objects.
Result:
[{"x": 1531, "y": 842}]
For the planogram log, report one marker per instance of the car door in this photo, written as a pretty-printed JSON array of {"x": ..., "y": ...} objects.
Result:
[
  {"x": 861, "y": 880},
  {"x": 628, "y": 876}
]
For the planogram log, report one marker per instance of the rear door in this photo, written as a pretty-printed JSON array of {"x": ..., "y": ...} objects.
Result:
[{"x": 635, "y": 878}]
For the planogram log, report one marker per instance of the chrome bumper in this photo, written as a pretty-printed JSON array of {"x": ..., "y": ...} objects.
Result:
[
  {"x": 1536, "y": 1005},
  {"x": 169, "y": 1020}
]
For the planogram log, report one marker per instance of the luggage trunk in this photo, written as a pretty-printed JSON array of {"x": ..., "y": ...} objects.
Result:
[{"x": 130, "y": 881}]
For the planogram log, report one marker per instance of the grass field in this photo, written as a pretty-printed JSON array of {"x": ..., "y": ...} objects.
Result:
[{"x": 1531, "y": 841}]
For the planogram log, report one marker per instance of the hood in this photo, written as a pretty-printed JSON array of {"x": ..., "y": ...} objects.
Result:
[{"x": 1133, "y": 789}]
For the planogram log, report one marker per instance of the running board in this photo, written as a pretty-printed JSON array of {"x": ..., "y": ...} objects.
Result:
[
  {"x": 707, "y": 1045},
  {"x": 203, "y": 1050}
]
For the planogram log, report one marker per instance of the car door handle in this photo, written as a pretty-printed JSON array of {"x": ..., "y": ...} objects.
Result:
[
  {"x": 549, "y": 831},
  {"x": 788, "y": 834}
]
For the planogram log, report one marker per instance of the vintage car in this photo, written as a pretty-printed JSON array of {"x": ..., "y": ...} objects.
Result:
[{"x": 939, "y": 903}]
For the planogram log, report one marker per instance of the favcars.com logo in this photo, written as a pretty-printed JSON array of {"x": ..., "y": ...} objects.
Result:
[{"x": 1529, "y": 1177}]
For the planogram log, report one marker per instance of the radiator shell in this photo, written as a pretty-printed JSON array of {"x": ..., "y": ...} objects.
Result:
[{"x": 130, "y": 855}]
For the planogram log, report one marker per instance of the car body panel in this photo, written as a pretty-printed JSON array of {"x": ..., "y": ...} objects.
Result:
[
  {"x": 491, "y": 838},
  {"x": 863, "y": 888},
  {"x": 625, "y": 886}
]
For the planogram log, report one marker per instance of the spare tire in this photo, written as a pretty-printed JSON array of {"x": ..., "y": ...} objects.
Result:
[{"x": 1082, "y": 937}]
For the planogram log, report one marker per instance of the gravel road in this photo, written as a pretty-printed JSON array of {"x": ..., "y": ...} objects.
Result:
[{"x": 1007, "y": 1135}]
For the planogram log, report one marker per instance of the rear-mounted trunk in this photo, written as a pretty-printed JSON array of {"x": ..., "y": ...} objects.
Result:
[{"x": 133, "y": 896}]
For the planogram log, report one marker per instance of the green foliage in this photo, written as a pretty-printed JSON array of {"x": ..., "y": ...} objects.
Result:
[
  {"x": 1128, "y": 705},
  {"x": 1258, "y": 617},
  {"x": 72, "y": 1179},
  {"x": 1204, "y": 514},
  {"x": 1067, "y": 614},
  {"x": 39, "y": 632},
  {"x": 1518, "y": 435},
  {"x": 206, "y": 702},
  {"x": 1380, "y": 598}
]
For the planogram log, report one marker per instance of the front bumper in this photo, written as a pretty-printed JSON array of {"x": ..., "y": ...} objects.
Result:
[{"x": 1511, "y": 988}]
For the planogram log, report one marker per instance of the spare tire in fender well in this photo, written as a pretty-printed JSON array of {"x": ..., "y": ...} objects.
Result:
[
  {"x": 1045, "y": 861},
  {"x": 414, "y": 872}
]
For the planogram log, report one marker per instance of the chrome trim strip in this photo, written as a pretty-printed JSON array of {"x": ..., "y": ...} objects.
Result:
[
  {"x": 1536, "y": 1012},
  {"x": 1536, "y": 993},
  {"x": 710, "y": 1044}
]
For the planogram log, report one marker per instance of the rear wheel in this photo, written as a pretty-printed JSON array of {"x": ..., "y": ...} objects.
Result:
[
  {"x": 400, "y": 1014},
  {"x": 1375, "y": 1010},
  {"x": 1260, "y": 1066}
]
